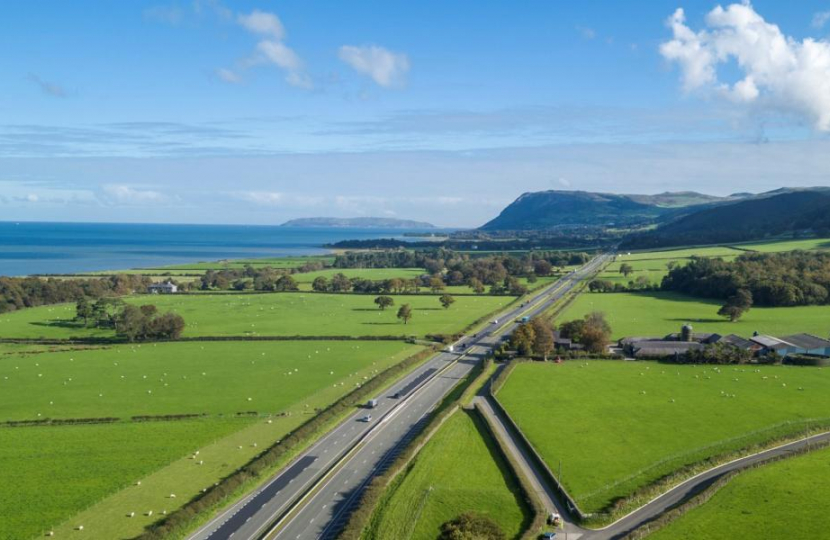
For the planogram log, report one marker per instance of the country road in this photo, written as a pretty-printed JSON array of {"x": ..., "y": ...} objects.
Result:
[{"x": 313, "y": 495}]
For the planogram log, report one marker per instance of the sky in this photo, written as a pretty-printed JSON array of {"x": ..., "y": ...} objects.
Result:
[{"x": 208, "y": 111}]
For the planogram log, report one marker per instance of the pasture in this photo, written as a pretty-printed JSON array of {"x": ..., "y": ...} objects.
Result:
[
  {"x": 661, "y": 313},
  {"x": 457, "y": 471},
  {"x": 185, "y": 378},
  {"x": 785, "y": 499},
  {"x": 218, "y": 379},
  {"x": 52, "y": 472},
  {"x": 618, "y": 426},
  {"x": 275, "y": 314}
]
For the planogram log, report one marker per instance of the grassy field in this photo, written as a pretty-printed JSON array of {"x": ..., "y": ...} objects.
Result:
[
  {"x": 788, "y": 245},
  {"x": 660, "y": 313},
  {"x": 182, "y": 378},
  {"x": 50, "y": 473},
  {"x": 617, "y": 426},
  {"x": 786, "y": 499},
  {"x": 219, "y": 379},
  {"x": 287, "y": 314},
  {"x": 459, "y": 470}
]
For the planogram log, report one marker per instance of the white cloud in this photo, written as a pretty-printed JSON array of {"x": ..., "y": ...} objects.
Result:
[
  {"x": 122, "y": 194},
  {"x": 281, "y": 55},
  {"x": 228, "y": 75},
  {"x": 820, "y": 19},
  {"x": 564, "y": 182},
  {"x": 265, "y": 198},
  {"x": 273, "y": 49},
  {"x": 587, "y": 33},
  {"x": 779, "y": 72},
  {"x": 385, "y": 67},
  {"x": 260, "y": 22},
  {"x": 277, "y": 198}
]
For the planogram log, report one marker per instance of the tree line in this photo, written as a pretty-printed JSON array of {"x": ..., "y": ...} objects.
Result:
[
  {"x": 19, "y": 293},
  {"x": 133, "y": 323},
  {"x": 796, "y": 278}
]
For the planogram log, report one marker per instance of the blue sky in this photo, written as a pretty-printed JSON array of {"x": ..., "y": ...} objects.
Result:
[{"x": 257, "y": 112}]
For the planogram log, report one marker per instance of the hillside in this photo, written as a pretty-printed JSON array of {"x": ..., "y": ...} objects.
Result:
[
  {"x": 558, "y": 209},
  {"x": 358, "y": 223},
  {"x": 768, "y": 214}
]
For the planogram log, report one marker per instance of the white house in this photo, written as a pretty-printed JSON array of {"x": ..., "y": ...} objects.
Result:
[{"x": 162, "y": 288}]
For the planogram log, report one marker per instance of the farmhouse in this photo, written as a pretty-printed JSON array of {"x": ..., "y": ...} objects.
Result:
[{"x": 162, "y": 288}]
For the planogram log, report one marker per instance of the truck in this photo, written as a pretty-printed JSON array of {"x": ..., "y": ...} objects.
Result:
[{"x": 371, "y": 404}]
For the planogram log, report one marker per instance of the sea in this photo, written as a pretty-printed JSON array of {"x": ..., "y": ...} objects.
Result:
[{"x": 67, "y": 248}]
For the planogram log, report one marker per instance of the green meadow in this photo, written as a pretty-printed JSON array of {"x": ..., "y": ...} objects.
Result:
[
  {"x": 284, "y": 382},
  {"x": 459, "y": 470},
  {"x": 50, "y": 473},
  {"x": 280, "y": 314},
  {"x": 183, "y": 378},
  {"x": 661, "y": 313},
  {"x": 785, "y": 499},
  {"x": 618, "y": 426}
]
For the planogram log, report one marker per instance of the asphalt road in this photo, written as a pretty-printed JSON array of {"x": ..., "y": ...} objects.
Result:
[{"x": 311, "y": 497}]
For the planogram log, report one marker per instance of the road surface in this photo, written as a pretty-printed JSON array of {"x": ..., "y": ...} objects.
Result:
[{"x": 313, "y": 496}]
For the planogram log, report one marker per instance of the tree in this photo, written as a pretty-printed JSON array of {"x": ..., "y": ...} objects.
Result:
[
  {"x": 446, "y": 300},
  {"x": 83, "y": 310},
  {"x": 286, "y": 283},
  {"x": 320, "y": 284},
  {"x": 626, "y": 269},
  {"x": 394, "y": 285},
  {"x": 405, "y": 313},
  {"x": 543, "y": 336},
  {"x": 476, "y": 285},
  {"x": 340, "y": 283},
  {"x": 436, "y": 284},
  {"x": 471, "y": 526},
  {"x": 592, "y": 331},
  {"x": 736, "y": 305},
  {"x": 522, "y": 339},
  {"x": 384, "y": 302},
  {"x": 542, "y": 268}
]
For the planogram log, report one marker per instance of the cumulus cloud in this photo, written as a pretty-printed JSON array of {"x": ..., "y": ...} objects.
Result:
[
  {"x": 386, "y": 68},
  {"x": 122, "y": 194},
  {"x": 228, "y": 75},
  {"x": 820, "y": 19},
  {"x": 272, "y": 49},
  {"x": 778, "y": 72},
  {"x": 261, "y": 22},
  {"x": 48, "y": 88}
]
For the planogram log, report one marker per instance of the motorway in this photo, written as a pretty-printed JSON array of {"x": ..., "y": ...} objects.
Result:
[{"x": 314, "y": 495}]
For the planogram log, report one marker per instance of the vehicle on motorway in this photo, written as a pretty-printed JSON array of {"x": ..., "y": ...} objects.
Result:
[
  {"x": 548, "y": 536},
  {"x": 371, "y": 404},
  {"x": 524, "y": 319},
  {"x": 396, "y": 395},
  {"x": 367, "y": 418},
  {"x": 495, "y": 321}
]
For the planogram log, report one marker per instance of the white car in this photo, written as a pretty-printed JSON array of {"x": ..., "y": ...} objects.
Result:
[{"x": 367, "y": 418}]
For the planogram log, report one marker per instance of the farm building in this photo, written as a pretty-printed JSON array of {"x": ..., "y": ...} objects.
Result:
[
  {"x": 760, "y": 345},
  {"x": 162, "y": 288},
  {"x": 794, "y": 344}
]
